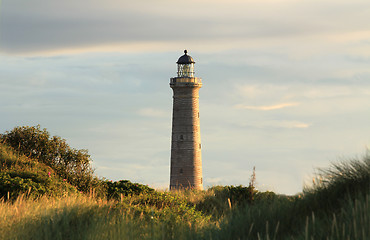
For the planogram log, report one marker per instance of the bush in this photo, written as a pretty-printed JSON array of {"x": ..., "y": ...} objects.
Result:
[
  {"x": 21, "y": 175},
  {"x": 69, "y": 163},
  {"x": 224, "y": 198},
  {"x": 125, "y": 188},
  {"x": 13, "y": 184}
]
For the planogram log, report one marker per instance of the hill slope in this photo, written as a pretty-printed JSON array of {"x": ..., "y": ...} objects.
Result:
[{"x": 22, "y": 175}]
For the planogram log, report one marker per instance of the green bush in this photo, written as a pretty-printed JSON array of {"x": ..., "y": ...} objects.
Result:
[
  {"x": 225, "y": 198},
  {"x": 221, "y": 199},
  {"x": 14, "y": 184},
  {"x": 21, "y": 175},
  {"x": 125, "y": 188},
  {"x": 69, "y": 163}
]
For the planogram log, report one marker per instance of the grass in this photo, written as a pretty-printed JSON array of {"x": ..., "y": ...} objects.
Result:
[
  {"x": 46, "y": 207},
  {"x": 83, "y": 217}
]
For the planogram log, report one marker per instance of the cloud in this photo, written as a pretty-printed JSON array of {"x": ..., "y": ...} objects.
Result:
[
  {"x": 214, "y": 181},
  {"x": 295, "y": 125},
  {"x": 39, "y": 26},
  {"x": 152, "y": 112},
  {"x": 277, "y": 124},
  {"x": 267, "y": 108}
]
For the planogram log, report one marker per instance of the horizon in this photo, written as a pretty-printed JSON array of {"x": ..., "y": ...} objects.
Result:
[{"x": 285, "y": 83}]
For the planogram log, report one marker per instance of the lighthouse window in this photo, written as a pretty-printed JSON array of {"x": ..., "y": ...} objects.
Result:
[
  {"x": 181, "y": 171},
  {"x": 181, "y": 137},
  {"x": 185, "y": 70}
]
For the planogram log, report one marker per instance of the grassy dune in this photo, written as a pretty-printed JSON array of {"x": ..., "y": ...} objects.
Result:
[{"x": 336, "y": 207}]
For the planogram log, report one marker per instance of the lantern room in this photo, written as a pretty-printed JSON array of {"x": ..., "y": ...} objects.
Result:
[{"x": 185, "y": 66}]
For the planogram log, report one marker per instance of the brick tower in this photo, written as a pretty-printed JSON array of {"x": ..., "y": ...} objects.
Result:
[{"x": 186, "y": 159}]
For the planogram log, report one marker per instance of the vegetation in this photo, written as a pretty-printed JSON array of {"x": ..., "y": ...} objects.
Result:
[
  {"x": 22, "y": 175},
  {"x": 115, "y": 190},
  {"x": 39, "y": 202},
  {"x": 69, "y": 163}
]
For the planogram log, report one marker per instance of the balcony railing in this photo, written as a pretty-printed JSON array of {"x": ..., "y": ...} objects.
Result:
[{"x": 186, "y": 80}]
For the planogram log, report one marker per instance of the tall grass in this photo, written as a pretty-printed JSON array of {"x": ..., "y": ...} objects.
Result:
[
  {"x": 82, "y": 217},
  {"x": 336, "y": 207},
  {"x": 49, "y": 218},
  {"x": 352, "y": 221},
  {"x": 87, "y": 218}
]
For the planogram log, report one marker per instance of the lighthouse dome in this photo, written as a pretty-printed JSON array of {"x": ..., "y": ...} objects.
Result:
[{"x": 185, "y": 59}]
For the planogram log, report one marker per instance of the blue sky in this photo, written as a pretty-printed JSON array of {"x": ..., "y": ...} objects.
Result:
[{"x": 286, "y": 83}]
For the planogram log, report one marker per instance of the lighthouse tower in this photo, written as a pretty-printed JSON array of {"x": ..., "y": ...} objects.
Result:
[{"x": 186, "y": 159}]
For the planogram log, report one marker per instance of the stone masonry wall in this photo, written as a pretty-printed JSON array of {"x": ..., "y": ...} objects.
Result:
[{"x": 186, "y": 160}]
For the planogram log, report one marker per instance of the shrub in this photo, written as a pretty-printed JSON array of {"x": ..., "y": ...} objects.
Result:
[
  {"x": 21, "y": 175},
  {"x": 125, "y": 188},
  {"x": 69, "y": 163},
  {"x": 14, "y": 184},
  {"x": 224, "y": 198}
]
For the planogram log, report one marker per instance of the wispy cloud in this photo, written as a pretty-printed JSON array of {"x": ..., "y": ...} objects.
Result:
[
  {"x": 267, "y": 107},
  {"x": 214, "y": 181},
  {"x": 151, "y": 112},
  {"x": 296, "y": 125},
  {"x": 278, "y": 124}
]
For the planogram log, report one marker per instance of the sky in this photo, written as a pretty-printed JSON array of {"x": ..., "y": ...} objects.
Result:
[{"x": 286, "y": 83}]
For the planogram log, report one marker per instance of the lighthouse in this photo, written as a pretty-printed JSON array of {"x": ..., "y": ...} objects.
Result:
[{"x": 186, "y": 158}]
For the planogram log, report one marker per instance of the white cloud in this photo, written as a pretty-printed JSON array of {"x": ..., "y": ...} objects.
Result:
[
  {"x": 267, "y": 108},
  {"x": 213, "y": 181},
  {"x": 152, "y": 112},
  {"x": 277, "y": 124}
]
